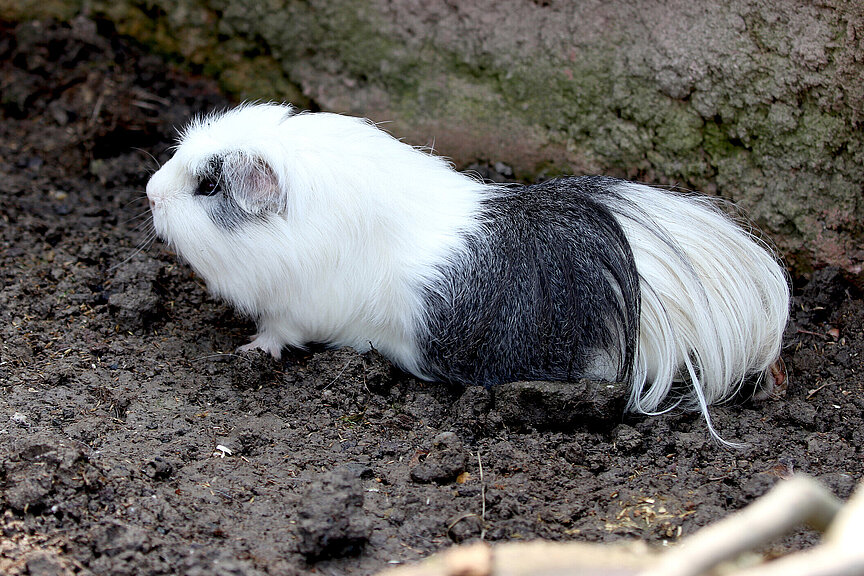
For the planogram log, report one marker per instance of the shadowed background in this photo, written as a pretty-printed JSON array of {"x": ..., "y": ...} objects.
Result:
[{"x": 757, "y": 101}]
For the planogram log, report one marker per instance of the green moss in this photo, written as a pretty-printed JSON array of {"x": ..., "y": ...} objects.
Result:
[
  {"x": 261, "y": 78},
  {"x": 717, "y": 143}
]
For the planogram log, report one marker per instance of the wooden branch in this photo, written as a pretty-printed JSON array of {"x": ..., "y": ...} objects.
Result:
[
  {"x": 791, "y": 503},
  {"x": 787, "y": 505}
]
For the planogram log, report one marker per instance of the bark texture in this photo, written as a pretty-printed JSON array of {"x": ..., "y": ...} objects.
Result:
[{"x": 761, "y": 102}]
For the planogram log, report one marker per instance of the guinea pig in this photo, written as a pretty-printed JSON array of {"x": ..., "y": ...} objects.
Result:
[{"x": 326, "y": 229}]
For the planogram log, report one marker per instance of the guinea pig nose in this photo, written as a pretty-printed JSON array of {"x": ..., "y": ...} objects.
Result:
[{"x": 151, "y": 202}]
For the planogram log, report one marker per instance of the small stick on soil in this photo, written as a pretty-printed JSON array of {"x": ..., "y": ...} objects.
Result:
[
  {"x": 811, "y": 333},
  {"x": 482, "y": 499},
  {"x": 815, "y": 390},
  {"x": 220, "y": 356}
]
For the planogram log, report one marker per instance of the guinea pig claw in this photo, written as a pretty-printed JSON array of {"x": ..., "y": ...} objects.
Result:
[
  {"x": 775, "y": 382},
  {"x": 778, "y": 372},
  {"x": 262, "y": 343}
]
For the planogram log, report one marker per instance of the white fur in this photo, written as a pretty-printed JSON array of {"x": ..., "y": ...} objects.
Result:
[
  {"x": 714, "y": 301},
  {"x": 361, "y": 223},
  {"x": 366, "y": 222}
]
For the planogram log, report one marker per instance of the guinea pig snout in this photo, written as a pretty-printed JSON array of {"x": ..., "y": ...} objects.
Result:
[
  {"x": 163, "y": 185},
  {"x": 152, "y": 198},
  {"x": 155, "y": 194}
]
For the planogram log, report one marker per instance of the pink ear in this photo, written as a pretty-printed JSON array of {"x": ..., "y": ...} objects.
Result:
[{"x": 252, "y": 182}]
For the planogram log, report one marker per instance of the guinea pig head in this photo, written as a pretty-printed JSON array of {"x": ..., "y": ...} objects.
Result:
[
  {"x": 214, "y": 202},
  {"x": 220, "y": 170}
]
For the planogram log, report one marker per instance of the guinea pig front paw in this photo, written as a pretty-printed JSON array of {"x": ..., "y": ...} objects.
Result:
[{"x": 267, "y": 344}]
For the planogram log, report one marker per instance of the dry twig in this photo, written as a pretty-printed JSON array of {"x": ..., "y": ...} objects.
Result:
[{"x": 791, "y": 503}]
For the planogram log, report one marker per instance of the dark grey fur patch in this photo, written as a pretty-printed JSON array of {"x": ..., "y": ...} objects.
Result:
[
  {"x": 548, "y": 290},
  {"x": 222, "y": 209},
  {"x": 226, "y": 213}
]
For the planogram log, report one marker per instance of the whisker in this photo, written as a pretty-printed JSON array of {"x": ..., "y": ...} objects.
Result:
[
  {"x": 145, "y": 245},
  {"x": 152, "y": 157},
  {"x": 136, "y": 217},
  {"x": 134, "y": 200}
]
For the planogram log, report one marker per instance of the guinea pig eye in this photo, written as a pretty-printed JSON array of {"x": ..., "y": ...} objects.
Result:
[{"x": 208, "y": 186}]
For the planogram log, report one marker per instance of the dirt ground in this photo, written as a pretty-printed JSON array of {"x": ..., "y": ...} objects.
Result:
[{"x": 133, "y": 442}]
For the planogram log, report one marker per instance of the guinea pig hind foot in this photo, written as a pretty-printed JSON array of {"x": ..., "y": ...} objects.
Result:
[
  {"x": 775, "y": 382},
  {"x": 266, "y": 343}
]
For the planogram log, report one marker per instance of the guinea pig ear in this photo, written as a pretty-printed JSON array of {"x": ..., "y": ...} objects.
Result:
[{"x": 252, "y": 182}]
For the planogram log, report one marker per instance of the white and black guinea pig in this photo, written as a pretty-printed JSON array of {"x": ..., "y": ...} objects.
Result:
[{"x": 326, "y": 229}]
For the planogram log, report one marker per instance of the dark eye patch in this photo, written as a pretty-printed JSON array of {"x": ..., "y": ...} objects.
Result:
[
  {"x": 211, "y": 181},
  {"x": 223, "y": 209},
  {"x": 208, "y": 186}
]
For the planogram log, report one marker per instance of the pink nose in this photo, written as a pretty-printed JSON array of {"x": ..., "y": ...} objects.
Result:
[{"x": 152, "y": 203}]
